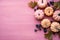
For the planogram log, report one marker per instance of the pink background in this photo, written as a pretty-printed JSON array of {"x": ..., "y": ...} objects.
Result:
[{"x": 17, "y": 21}]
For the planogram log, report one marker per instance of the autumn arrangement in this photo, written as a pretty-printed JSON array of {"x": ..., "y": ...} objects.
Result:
[{"x": 51, "y": 9}]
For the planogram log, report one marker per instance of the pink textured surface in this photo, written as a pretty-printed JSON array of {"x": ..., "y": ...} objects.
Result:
[{"x": 17, "y": 21}]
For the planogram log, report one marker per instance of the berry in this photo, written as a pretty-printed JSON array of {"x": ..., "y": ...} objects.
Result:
[
  {"x": 45, "y": 30},
  {"x": 35, "y": 8},
  {"x": 52, "y": 2},
  {"x": 38, "y": 26},
  {"x": 35, "y": 30},
  {"x": 54, "y": 8},
  {"x": 48, "y": 4}
]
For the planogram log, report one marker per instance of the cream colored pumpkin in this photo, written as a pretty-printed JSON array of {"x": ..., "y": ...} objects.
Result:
[
  {"x": 42, "y": 3},
  {"x": 55, "y": 26},
  {"x": 45, "y": 23},
  {"x": 48, "y": 11}
]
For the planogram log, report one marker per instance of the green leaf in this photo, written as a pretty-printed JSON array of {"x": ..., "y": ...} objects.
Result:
[
  {"x": 49, "y": 35},
  {"x": 32, "y": 4}
]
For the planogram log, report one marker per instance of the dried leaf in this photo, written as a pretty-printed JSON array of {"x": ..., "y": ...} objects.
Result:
[
  {"x": 59, "y": 34},
  {"x": 49, "y": 35},
  {"x": 57, "y": 5},
  {"x": 32, "y": 4}
]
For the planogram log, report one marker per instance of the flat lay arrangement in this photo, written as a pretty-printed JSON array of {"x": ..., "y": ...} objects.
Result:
[{"x": 51, "y": 9}]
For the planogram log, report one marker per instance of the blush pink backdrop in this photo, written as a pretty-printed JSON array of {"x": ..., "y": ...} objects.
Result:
[{"x": 17, "y": 21}]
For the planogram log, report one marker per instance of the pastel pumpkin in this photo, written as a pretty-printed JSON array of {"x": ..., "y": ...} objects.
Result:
[
  {"x": 56, "y": 15},
  {"x": 55, "y": 27},
  {"x": 45, "y": 23},
  {"x": 42, "y": 3},
  {"x": 48, "y": 11},
  {"x": 39, "y": 14}
]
